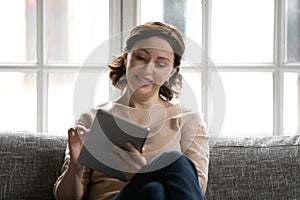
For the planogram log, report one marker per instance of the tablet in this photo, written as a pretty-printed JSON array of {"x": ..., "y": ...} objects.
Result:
[{"x": 108, "y": 130}]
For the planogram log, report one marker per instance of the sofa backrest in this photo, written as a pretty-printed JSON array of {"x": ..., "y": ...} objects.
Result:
[
  {"x": 240, "y": 168},
  {"x": 254, "y": 168},
  {"x": 30, "y": 164}
]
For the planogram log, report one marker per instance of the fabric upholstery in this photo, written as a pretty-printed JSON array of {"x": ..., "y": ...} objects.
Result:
[
  {"x": 240, "y": 168},
  {"x": 254, "y": 168},
  {"x": 30, "y": 164}
]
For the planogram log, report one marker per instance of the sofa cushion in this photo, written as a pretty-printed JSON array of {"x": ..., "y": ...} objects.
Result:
[
  {"x": 240, "y": 168},
  {"x": 254, "y": 168},
  {"x": 30, "y": 164}
]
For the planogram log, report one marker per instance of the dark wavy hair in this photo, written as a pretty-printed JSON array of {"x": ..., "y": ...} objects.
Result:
[{"x": 164, "y": 31}]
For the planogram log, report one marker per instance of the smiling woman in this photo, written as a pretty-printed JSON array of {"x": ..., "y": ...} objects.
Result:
[
  {"x": 147, "y": 72},
  {"x": 168, "y": 43},
  {"x": 149, "y": 66}
]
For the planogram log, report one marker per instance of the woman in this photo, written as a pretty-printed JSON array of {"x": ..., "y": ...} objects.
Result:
[{"x": 174, "y": 161}]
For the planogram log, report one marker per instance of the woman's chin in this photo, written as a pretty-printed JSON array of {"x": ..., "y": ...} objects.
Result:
[{"x": 146, "y": 89}]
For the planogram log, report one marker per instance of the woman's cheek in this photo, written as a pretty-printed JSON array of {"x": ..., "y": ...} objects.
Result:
[
  {"x": 162, "y": 75},
  {"x": 131, "y": 77}
]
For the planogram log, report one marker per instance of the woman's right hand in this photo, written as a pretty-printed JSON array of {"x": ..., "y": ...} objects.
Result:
[
  {"x": 69, "y": 184},
  {"x": 75, "y": 144}
]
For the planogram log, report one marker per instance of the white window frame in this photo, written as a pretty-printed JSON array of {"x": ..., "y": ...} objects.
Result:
[
  {"x": 278, "y": 68},
  {"x": 42, "y": 68},
  {"x": 124, "y": 14}
]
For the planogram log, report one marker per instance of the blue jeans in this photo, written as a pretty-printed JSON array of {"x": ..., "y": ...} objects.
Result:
[{"x": 177, "y": 180}]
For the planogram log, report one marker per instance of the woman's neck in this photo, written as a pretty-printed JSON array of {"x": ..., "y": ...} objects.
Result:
[{"x": 144, "y": 102}]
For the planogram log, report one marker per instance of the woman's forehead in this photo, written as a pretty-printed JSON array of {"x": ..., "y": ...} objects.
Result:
[{"x": 153, "y": 43}]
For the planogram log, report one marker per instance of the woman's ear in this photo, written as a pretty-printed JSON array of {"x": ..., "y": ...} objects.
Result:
[{"x": 174, "y": 70}]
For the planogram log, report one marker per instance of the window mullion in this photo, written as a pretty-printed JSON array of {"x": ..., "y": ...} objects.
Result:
[
  {"x": 279, "y": 52},
  {"x": 124, "y": 14},
  {"x": 42, "y": 75},
  {"x": 206, "y": 44},
  {"x": 115, "y": 17},
  {"x": 129, "y": 14},
  {"x": 115, "y": 30}
]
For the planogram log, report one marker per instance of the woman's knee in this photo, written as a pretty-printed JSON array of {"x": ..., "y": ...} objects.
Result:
[
  {"x": 168, "y": 157},
  {"x": 153, "y": 190},
  {"x": 171, "y": 154},
  {"x": 178, "y": 160},
  {"x": 171, "y": 159}
]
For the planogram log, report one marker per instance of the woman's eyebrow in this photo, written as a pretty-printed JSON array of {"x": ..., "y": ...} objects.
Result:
[
  {"x": 159, "y": 57},
  {"x": 164, "y": 58}
]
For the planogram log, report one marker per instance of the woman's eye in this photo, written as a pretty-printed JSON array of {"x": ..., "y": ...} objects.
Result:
[
  {"x": 161, "y": 65},
  {"x": 141, "y": 58}
]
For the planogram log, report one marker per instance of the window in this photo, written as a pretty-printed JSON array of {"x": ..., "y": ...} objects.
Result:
[
  {"x": 291, "y": 101},
  {"x": 44, "y": 51},
  {"x": 240, "y": 69},
  {"x": 256, "y": 57}
]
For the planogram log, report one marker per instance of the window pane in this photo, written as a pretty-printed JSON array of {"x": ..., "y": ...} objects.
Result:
[
  {"x": 249, "y": 103},
  {"x": 60, "y": 102},
  {"x": 242, "y": 31},
  {"x": 186, "y": 15},
  {"x": 18, "y": 101},
  {"x": 293, "y": 31},
  {"x": 75, "y": 28},
  {"x": 147, "y": 14},
  {"x": 18, "y": 31},
  {"x": 191, "y": 90},
  {"x": 64, "y": 87},
  {"x": 291, "y": 103}
]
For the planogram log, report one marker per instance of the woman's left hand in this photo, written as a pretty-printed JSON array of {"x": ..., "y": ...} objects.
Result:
[{"x": 130, "y": 161}]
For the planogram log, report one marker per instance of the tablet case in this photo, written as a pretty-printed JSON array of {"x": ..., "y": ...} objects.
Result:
[{"x": 107, "y": 130}]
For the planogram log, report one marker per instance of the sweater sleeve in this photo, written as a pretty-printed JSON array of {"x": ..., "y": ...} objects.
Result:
[
  {"x": 82, "y": 125},
  {"x": 194, "y": 144}
]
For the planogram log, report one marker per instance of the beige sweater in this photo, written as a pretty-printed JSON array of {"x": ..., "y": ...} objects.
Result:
[{"x": 172, "y": 128}]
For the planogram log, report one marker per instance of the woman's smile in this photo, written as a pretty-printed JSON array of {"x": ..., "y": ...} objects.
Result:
[{"x": 144, "y": 81}]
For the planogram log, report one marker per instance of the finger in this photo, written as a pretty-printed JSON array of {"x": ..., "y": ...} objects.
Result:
[
  {"x": 123, "y": 155},
  {"x": 71, "y": 132},
  {"x": 136, "y": 155},
  {"x": 73, "y": 135},
  {"x": 124, "y": 167},
  {"x": 142, "y": 151},
  {"x": 120, "y": 159},
  {"x": 128, "y": 157},
  {"x": 131, "y": 148},
  {"x": 82, "y": 133}
]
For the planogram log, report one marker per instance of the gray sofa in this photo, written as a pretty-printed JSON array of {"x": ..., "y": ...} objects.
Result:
[{"x": 240, "y": 168}]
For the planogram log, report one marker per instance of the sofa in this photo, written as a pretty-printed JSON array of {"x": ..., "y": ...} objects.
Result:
[{"x": 239, "y": 168}]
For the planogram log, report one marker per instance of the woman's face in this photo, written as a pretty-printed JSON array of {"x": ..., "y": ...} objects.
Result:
[{"x": 148, "y": 65}]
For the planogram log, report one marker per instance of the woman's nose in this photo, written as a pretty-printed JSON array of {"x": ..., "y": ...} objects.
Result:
[{"x": 148, "y": 68}]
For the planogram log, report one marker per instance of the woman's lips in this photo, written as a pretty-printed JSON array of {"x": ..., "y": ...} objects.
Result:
[{"x": 144, "y": 80}]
